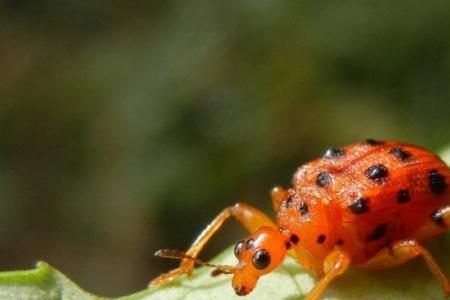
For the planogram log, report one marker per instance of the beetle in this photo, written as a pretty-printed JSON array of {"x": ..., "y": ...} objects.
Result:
[{"x": 369, "y": 204}]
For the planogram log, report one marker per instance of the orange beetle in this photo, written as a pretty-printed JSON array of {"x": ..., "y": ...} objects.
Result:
[{"x": 369, "y": 204}]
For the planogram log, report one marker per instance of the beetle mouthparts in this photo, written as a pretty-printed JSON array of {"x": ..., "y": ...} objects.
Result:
[{"x": 241, "y": 291}]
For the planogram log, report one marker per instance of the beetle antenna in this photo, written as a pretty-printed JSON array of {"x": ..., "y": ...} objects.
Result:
[{"x": 175, "y": 254}]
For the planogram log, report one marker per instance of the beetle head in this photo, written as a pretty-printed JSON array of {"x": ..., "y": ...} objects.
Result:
[{"x": 258, "y": 255}]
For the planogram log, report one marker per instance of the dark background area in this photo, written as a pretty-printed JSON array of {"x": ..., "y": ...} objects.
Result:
[{"x": 126, "y": 126}]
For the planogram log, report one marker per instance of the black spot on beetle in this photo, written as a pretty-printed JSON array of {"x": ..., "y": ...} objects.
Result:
[
  {"x": 400, "y": 154},
  {"x": 438, "y": 218},
  {"x": 436, "y": 181},
  {"x": 321, "y": 238},
  {"x": 304, "y": 209},
  {"x": 288, "y": 202},
  {"x": 359, "y": 206},
  {"x": 378, "y": 233},
  {"x": 377, "y": 172},
  {"x": 333, "y": 153},
  {"x": 372, "y": 142},
  {"x": 288, "y": 245},
  {"x": 403, "y": 196},
  {"x": 250, "y": 244},
  {"x": 323, "y": 179},
  {"x": 294, "y": 239}
]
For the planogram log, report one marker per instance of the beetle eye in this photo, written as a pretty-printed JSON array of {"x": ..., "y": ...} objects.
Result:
[
  {"x": 238, "y": 248},
  {"x": 250, "y": 244},
  {"x": 261, "y": 259}
]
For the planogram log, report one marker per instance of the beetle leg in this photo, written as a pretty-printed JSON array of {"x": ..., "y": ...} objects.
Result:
[
  {"x": 401, "y": 251},
  {"x": 335, "y": 264},
  {"x": 277, "y": 194},
  {"x": 250, "y": 217}
]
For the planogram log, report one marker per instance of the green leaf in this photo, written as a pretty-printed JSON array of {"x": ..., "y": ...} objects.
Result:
[
  {"x": 445, "y": 155},
  {"x": 289, "y": 282},
  {"x": 410, "y": 281},
  {"x": 44, "y": 283}
]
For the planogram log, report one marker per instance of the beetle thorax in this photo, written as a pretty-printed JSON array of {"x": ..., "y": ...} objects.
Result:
[{"x": 304, "y": 216}]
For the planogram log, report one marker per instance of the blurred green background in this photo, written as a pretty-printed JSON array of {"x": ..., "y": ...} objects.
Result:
[{"x": 126, "y": 126}]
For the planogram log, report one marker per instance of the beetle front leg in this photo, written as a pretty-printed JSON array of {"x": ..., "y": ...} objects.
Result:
[
  {"x": 250, "y": 217},
  {"x": 335, "y": 264},
  {"x": 277, "y": 194}
]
